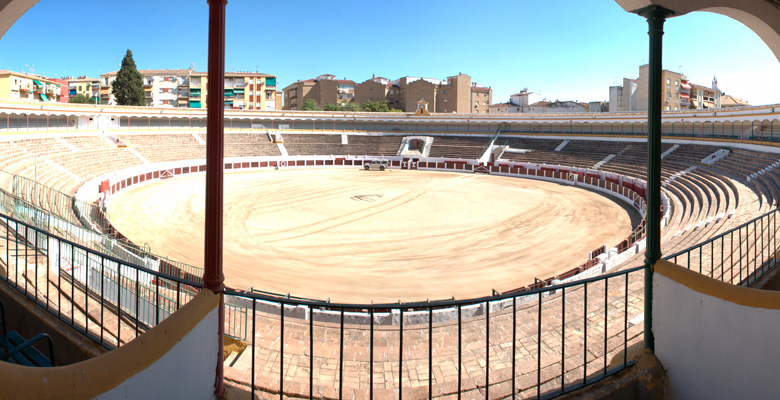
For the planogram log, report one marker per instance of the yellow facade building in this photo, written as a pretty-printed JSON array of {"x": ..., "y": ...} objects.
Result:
[
  {"x": 188, "y": 88},
  {"x": 21, "y": 86}
]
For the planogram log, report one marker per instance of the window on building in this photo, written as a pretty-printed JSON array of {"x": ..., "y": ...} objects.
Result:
[
  {"x": 676, "y": 108},
  {"x": 668, "y": 108},
  {"x": 445, "y": 100},
  {"x": 676, "y": 83},
  {"x": 269, "y": 95},
  {"x": 445, "y": 91},
  {"x": 668, "y": 81}
]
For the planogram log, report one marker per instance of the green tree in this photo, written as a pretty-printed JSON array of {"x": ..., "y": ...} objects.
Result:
[
  {"x": 128, "y": 88},
  {"x": 81, "y": 99},
  {"x": 351, "y": 106},
  {"x": 331, "y": 107},
  {"x": 310, "y": 105},
  {"x": 376, "y": 106}
]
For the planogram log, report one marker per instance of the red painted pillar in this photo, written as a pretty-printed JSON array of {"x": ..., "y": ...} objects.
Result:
[{"x": 213, "y": 278}]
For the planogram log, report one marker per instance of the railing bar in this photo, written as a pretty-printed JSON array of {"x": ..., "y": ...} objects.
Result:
[
  {"x": 156, "y": 299},
  {"x": 722, "y": 263},
  {"x": 460, "y": 350},
  {"x": 119, "y": 306},
  {"x": 341, "y": 357},
  {"x": 35, "y": 235},
  {"x": 86, "y": 293},
  {"x": 72, "y": 286},
  {"x": 371, "y": 358},
  {"x": 487, "y": 349},
  {"x": 281, "y": 353},
  {"x": 740, "y": 257},
  {"x": 26, "y": 257},
  {"x": 16, "y": 257},
  {"x": 563, "y": 339},
  {"x": 102, "y": 295},
  {"x": 137, "y": 302},
  {"x": 606, "y": 322},
  {"x": 430, "y": 353},
  {"x": 625, "y": 324},
  {"x": 514, "y": 347},
  {"x": 252, "y": 342},
  {"x": 539, "y": 350},
  {"x": 585, "y": 335},
  {"x": 401, "y": 357},
  {"x": 59, "y": 280}
]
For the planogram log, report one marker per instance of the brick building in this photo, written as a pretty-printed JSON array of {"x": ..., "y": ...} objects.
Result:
[
  {"x": 323, "y": 89},
  {"x": 456, "y": 94}
]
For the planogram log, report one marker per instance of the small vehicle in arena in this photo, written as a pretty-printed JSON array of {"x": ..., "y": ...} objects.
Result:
[{"x": 377, "y": 164}]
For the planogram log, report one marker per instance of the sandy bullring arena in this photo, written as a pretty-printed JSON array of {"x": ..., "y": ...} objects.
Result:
[{"x": 368, "y": 236}]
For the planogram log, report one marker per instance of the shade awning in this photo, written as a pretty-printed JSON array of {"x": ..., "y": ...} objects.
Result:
[
  {"x": 37, "y": 82},
  {"x": 44, "y": 98},
  {"x": 195, "y": 104}
]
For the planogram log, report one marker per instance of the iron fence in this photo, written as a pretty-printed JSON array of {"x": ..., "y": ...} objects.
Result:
[
  {"x": 739, "y": 256},
  {"x": 107, "y": 299},
  {"x": 82, "y": 222},
  {"x": 535, "y": 344}
]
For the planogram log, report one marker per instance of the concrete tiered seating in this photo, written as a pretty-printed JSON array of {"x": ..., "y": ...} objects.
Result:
[
  {"x": 248, "y": 145},
  {"x": 329, "y": 144},
  {"x": 470, "y": 147},
  {"x": 166, "y": 147}
]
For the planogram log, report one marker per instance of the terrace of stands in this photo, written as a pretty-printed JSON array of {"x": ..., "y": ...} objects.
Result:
[{"x": 705, "y": 200}]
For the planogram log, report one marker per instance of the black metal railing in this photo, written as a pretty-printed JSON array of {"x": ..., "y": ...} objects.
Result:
[
  {"x": 73, "y": 219},
  {"x": 105, "y": 298},
  {"x": 534, "y": 344},
  {"x": 739, "y": 256}
]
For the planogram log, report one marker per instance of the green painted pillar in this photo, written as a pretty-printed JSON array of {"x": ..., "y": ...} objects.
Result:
[{"x": 656, "y": 16}]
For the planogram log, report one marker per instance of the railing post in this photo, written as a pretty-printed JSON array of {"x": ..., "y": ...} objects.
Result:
[
  {"x": 213, "y": 278},
  {"x": 656, "y": 16}
]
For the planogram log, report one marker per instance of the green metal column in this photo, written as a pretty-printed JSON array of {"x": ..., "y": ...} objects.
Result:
[{"x": 656, "y": 16}]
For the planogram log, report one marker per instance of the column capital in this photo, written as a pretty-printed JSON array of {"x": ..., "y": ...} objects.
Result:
[{"x": 655, "y": 12}]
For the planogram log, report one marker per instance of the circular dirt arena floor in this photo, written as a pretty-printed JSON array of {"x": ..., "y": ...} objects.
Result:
[{"x": 368, "y": 236}]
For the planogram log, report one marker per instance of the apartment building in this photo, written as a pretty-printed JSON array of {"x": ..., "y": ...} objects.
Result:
[
  {"x": 677, "y": 93},
  {"x": 456, "y": 94},
  {"x": 188, "y": 88},
  {"x": 22, "y": 86},
  {"x": 89, "y": 87},
  {"x": 622, "y": 98},
  {"x": 323, "y": 89},
  {"x": 63, "y": 88},
  {"x": 519, "y": 103}
]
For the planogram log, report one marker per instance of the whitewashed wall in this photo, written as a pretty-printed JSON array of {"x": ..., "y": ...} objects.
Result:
[
  {"x": 187, "y": 371},
  {"x": 713, "y": 348}
]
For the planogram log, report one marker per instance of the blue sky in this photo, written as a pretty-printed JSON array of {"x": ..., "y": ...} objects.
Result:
[{"x": 563, "y": 49}]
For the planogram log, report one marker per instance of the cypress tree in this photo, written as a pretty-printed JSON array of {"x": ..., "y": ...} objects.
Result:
[{"x": 128, "y": 88}]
